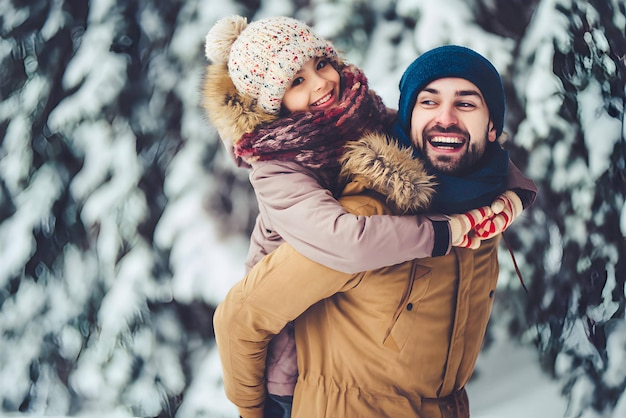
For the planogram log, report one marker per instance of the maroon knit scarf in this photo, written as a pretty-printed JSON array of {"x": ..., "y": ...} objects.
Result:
[{"x": 316, "y": 139}]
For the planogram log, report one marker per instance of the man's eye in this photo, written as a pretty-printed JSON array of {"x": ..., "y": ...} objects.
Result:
[{"x": 466, "y": 104}]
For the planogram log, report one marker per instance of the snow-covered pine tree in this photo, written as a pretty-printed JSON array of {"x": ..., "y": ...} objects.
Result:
[
  {"x": 571, "y": 79},
  {"x": 109, "y": 273}
]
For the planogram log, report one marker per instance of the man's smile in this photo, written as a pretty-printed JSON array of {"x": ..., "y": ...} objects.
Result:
[{"x": 446, "y": 143}]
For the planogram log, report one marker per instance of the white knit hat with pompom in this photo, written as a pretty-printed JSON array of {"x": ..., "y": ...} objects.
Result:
[{"x": 263, "y": 57}]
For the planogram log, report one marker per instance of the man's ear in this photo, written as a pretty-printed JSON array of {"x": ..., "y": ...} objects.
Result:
[{"x": 491, "y": 134}]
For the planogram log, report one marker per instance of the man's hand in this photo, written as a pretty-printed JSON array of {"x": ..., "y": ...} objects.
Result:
[
  {"x": 462, "y": 225},
  {"x": 505, "y": 209}
]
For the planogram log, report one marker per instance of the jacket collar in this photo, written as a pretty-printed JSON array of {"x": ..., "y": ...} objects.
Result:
[{"x": 376, "y": 162}]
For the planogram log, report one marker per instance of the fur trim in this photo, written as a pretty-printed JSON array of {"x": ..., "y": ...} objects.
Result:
[
  {"x": 378, "y": 162},
  {"x": 231, "y": 113}
]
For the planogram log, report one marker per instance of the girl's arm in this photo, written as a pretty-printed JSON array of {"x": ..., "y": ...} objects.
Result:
[{"x": 295, "y": 206}]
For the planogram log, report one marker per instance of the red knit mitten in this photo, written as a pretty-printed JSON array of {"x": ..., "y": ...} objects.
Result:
[
  {"x": 506, "y": 208},
  {"x": 461, "y": 226}
]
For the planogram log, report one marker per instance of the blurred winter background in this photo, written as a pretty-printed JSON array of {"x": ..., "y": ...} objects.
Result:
[{"x": 123, "y": 223}]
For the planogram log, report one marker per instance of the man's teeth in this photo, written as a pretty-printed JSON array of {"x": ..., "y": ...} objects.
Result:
[{"x": 447, "y": 140}]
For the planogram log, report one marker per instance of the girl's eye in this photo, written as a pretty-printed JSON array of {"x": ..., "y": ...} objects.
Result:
[
  {"x": 297, "y": 81},
  {"x": 321, "y": 64}
]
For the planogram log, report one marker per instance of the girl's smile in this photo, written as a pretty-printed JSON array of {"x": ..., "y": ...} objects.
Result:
[{"x": 314, "y": 88}]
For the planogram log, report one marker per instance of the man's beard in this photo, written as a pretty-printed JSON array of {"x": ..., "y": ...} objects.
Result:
[{"x": 450, "y": 165}]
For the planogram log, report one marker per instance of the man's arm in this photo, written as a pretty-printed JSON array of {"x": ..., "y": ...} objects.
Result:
[{"x": 276, "y": 291}]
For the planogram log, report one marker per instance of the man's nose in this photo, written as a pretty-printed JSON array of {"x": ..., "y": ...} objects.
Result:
[{"x": 447, "y": 116}]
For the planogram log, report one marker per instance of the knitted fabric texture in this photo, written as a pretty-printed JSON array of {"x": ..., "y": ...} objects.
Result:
[
  {"x": 316, "y": 139},
  {"x": 265, "y": 55},
  {"x": 452, "y": 61}
]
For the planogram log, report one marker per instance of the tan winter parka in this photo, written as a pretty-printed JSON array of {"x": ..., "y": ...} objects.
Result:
[{"x": 390, "y": 342}]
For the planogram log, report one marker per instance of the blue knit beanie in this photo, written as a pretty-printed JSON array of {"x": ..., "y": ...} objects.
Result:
[{"x": 452, "y": 61}]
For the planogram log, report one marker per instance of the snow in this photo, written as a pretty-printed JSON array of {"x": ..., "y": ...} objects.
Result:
[
  {"x": 597, "y": 124},
  {"x": 622, "y": 220},
  {"x": 14, "y": 169},
  {"x": 616, "y": 347},
  {"x": 509, "y": 383},
  {"x": 205, "y": 399}
]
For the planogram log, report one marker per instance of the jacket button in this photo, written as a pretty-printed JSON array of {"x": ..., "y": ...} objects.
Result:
[
  {"x": 492, "y": 293},
  {"x": 409, "y": 306}
]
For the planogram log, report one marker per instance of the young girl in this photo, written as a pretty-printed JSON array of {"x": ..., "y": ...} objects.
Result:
[{"x": 285, "y": 105}]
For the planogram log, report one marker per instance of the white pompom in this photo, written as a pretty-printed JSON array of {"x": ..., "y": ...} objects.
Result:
[{"x": 221, "y": 37}]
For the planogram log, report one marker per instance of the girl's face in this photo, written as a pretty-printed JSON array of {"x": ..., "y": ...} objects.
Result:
[{"x": 316, "y": 87}]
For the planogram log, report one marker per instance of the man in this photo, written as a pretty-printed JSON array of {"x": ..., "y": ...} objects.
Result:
[{"x": 402, "y": 340}]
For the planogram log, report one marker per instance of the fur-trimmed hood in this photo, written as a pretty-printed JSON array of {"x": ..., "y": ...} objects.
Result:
[
  {"x": 231, "y": 113},
  {"x": 374, "y": 162}
]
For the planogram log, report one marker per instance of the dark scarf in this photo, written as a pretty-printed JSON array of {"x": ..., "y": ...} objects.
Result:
[
  {"x": 477, "y": 188},
  {"x": 316, "y": 139}
]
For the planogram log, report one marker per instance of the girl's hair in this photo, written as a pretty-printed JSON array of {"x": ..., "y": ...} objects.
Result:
[{"x": 263, "y": 57}]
